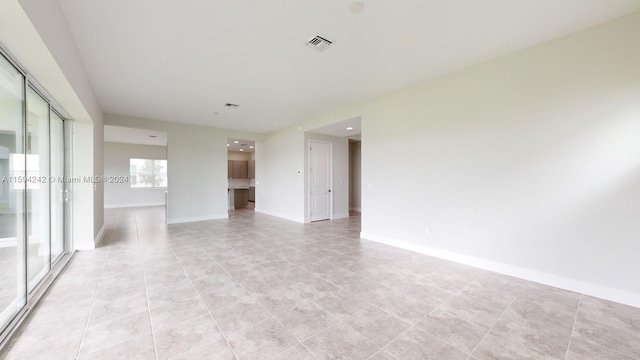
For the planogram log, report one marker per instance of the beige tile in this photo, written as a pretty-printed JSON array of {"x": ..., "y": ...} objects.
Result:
[
  {"x": 172, "y": 341},
  {"x": 377, "y": 325},
  {"x": 610, "y": 313},
  {"x": 306, "y": 320},
  {"x": 408, "y": 308},
  {"x": 582, "y": 350},
  {"x": 417, "y": 344},
  {"x": 107, "y": 310},
  {"x": 340, "y": 342},
  {"x": 532, "y": 335},
  {"x": 297, "y": 352},
  {"x": 341, "y": 304},
  {"x": 495, "y": 347},
  {"x": 621, "y": 340},
  {"x": 110, "y": 333},
  {"x": 240, "y": 316},
  {"x": 461, "y": 334},
  {"x": 141, "y": 348},
  {"x": 281, "y": 300},
  {"x": 267, "y": 337},
  {"x": 383, "y": 355},
  {"x": 552, "y": 311},
  {"x": 216, "y": 262},
  {"x": 472, "y": 311},
  {"x": 315, "y": 288},
  {"x": 171, "y": 314}
]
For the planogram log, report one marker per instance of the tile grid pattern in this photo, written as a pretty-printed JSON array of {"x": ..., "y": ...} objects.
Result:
[{"x": 255, "y": 286}]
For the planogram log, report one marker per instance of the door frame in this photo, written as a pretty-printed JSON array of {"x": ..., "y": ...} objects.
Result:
[{"x": 330, "y": 169}]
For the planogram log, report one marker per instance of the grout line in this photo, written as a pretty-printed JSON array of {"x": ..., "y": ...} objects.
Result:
[
  {"x": 494, "y": 324},
  {"x": 202, "y": 300},
  {"x": 146, "y": 291},
  {"x": 575, "y": 319},
  {"x": 93, "y": 300},
  {"x": 259, "y": 303}
]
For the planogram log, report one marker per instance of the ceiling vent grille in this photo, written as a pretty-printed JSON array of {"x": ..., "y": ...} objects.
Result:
[{"x": 319, "y": 43}]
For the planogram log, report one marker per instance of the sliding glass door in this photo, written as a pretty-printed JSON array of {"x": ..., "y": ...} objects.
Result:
[
  {"x": 12, "y": 205},
  {"x": 38, "y": 246},
  {"x": 32, "y": 192},
  {"x": 57, "y": 186}
]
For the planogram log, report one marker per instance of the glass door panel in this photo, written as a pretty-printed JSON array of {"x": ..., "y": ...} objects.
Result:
[
  {"x": 12, "y": 208},
  {"x": 57, "y": 186},
  {"x": 38, "y": 247}
]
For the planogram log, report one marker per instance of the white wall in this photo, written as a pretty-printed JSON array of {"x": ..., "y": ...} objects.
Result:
[
  {"x": 197, "y": 166},
  {"x": 36, "y": 34},
  {"x": 355, "y": 175},
  {"x": 280, "y": 174},
  {"x": 116, "y": 163},
  {"x": 340, "y": 172},
  {"x": 528, "y": 164}
]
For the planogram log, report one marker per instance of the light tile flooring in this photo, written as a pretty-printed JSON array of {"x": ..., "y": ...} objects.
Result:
[{"x": 257, "y": 287}]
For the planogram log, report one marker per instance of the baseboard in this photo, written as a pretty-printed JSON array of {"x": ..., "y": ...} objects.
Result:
[
  {"x": 356, "y": 209},
  {"x": 100, "y": 236},
  {"x": 340, "y": 216},
  {"x": 587, "y": 288},
  {"x": 118, "y": 206},
  {"x": 198, "y": 218},
  {"x": 286, "y": 217}
]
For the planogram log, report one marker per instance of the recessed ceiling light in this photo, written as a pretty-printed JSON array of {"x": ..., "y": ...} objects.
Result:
[
  {"x": 228, "y": 145},
  {"x": 251, "y": 147},
  {"x": 235, "y": 141},
  {"x": 356, "y": 7},
  {"x": 349, "y": 128},
  {"x": 241, "y": 149}
]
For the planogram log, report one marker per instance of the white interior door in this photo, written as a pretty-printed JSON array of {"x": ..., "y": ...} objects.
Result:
[{"x": 320, "y": 180}]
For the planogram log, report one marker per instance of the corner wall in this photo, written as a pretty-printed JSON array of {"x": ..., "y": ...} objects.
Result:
[
  {"x": 527, "y": 165},
  {"x": 197, "y": 166},
  {"x": 280, "y": 174}
]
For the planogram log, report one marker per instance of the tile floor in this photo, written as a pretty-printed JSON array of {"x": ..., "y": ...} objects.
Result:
[{"x": 258, "y": 287}]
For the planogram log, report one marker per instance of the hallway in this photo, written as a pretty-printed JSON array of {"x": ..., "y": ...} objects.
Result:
[{"x": 258, "y": 287}]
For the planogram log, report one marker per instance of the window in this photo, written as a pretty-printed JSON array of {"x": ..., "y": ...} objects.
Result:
[{"x": 147, "y": 173}]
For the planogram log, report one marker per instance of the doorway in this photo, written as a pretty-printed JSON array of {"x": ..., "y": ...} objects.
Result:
[
  {"x": 320, "y": 184},
  {"x": 241, "y": 170}
]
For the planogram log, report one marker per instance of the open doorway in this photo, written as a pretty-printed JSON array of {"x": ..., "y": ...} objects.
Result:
[
  {"x": 136, "y": 164},
  {"x": 355, "y": 175},
  {"x": 241, "y": 170},
  {"x": 343, "y": 183}
]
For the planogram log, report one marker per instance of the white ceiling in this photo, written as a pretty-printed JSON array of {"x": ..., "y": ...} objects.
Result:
[
  {"x": 340, "y": 129},
  {"x": 183, "y": 60},
  {"x": 245, "y": 145},
  {"x": 127, "y": 135}
]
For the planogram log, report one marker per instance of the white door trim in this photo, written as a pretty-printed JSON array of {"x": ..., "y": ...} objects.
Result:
[{"x": 309, "y": 178}]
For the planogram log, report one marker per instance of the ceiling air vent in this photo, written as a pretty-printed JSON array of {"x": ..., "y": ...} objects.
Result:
[
  {"x": 319, "y": 43},
  {"x": 230, "y": 105}
]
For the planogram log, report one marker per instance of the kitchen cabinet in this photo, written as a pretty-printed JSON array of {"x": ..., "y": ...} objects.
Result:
[
  {"x": 252, "y": 169},
  {"x": 252, "y": 193},
  {"x": 238, "y": 169},
  {"x": 241, "y": 198}
]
